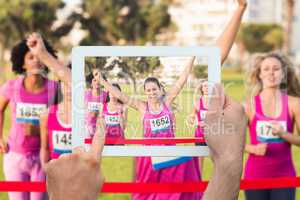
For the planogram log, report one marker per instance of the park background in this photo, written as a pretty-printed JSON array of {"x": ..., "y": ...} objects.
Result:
[{"x": 267, "y": 25}]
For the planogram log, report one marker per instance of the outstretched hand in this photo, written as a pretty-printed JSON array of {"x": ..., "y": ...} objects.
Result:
[
  {"x": 225, "y": 127},
  {"x": 242, "y": 3},
  {"x": 36, "y": 44},
  {"x": 78, "y": 175}
]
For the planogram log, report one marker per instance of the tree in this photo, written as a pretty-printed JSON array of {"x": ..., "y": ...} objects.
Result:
[
  {"x": 97, "y": 63},
  {"x": 260, "y": 37},
  {"x": 19, "y": 18},
  {"x": 136, "y": 68},
  {"x": 200, "y": 71},
  {"x": 124, "y": 22},
  {"x": 131, "y": 68},
  {"x": 111, "y": 22},
  {"x": 275, "y": 38}
]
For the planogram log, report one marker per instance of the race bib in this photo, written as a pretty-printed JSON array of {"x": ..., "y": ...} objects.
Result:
[
  {"x": 160, "y": 124},
  {"x": 203, "y": 114},
  {"x": 95, "y": 106},
  {"x": 202, "y": 117},
  {"x": 62, "y": 141},
  {"x": 29, "y": 113},
  {"x": 112, "y": 120},
  {"x": 264, "y": 131}
]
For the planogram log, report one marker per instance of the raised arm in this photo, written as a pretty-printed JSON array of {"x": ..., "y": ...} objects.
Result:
[
  {"x": 177, "y": 87},
  {"x": 226, "y": 39},
  {"x": 132, "y": 102},
  {"x": 124, "y": 117},
  {"x": 37, "y": 47}
]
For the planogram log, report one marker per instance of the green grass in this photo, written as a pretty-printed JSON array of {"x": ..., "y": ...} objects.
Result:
[{"x": 120, "y": 169}]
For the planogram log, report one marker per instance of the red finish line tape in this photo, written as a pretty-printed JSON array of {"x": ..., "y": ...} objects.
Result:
[
  {"x": 196, "y": 186},
  {"x": 153, "y": 141},
  {"x": 159, "y": 187},
  {"x": 18, "y": 186}
]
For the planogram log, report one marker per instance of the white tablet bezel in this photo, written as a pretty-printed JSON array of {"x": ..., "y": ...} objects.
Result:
[{"x": 78, "y": 88}]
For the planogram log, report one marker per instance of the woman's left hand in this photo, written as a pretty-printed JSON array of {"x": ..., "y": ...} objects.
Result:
[{"x": 277, "y": 129}]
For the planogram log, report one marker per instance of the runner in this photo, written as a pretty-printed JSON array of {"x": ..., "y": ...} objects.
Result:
[
  {"x": 28, "y": 95},
  {"x": 115, "y": 117},
  {"x": 275, "y": 105}
]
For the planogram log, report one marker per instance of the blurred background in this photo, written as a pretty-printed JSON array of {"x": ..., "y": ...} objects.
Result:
[{"x": 267, "y": 25}]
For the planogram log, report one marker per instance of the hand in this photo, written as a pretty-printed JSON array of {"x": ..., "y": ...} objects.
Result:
[
  {"x": 3, "y": 146},
  {"x": 277, "y": 129},
  {"x": 225, "y": 128},
  {"x": 201, "y": 124},
  {"x": 78, "y": 175},
  {"x": 190, "y": 121},
  {"x": 94, "y": 114},
  {"x": 31, "y": 129},
  {"x": 225, "y": 125},
  {"x": 242, "y": 3},
  {"x": 260, "y": 149},
  {"x": 35, "y": 44}
]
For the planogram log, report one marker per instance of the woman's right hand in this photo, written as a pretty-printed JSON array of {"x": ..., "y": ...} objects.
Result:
[
  {"x": 36, "y": 44},
  {"x": 190, "y": 121},
  {"x": 3, "y": 146},
  {"x": 260, "y": 149},
  {"x": 242, "y": 3}
]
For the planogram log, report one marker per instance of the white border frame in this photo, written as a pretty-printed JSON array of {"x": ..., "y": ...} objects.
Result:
[{"x": 78, "y": 87}]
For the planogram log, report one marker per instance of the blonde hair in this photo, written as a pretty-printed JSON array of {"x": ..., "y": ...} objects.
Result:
[
  {"x": 290, "y": 83},
  {"x": 200, "y": 86}
]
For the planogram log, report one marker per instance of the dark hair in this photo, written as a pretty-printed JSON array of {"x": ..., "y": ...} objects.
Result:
[
  {"x": 58, "y": 94},
  {"x": 69, "y": 65},
  {"x": 18, "y": 54},
  {"x": 152, "y": 80},
  {"x": 104, "y": 77},
  {"x": 119, "y": 88},
  {"x": 89, "y": 78},
  {"x": 156, "y": 81},
  {"x": 162, "y": 88}
]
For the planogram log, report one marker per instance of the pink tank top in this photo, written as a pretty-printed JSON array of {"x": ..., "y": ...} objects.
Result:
[
  {"x": 113, "y": 123},
  {"x": 94, "y": 105},
  {"x": 200, "y": 117},
  {"x": 161, "y": 125},
  {"x": 59, "y": 135},
  {"x": 25, "y": 110},
  {"x": 277, "y": 162}
]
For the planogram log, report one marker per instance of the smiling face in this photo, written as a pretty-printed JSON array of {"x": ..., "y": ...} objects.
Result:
[
  {"x": 271, "y": 72},
  {"x": 204, "y": 88},
  {"x": 32, "y": 64},
  {"x": 152, "y": 90},
  {"x": 95, "y": 84}
]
